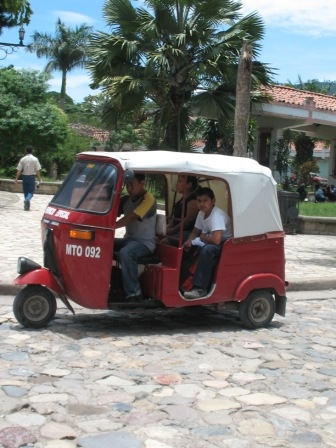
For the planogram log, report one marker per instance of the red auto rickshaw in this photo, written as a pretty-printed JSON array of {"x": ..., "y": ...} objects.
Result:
[{"x": 78, "y": 232}]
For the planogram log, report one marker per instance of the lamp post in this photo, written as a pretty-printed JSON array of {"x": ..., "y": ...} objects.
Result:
[{"x": 8, "y": 48}]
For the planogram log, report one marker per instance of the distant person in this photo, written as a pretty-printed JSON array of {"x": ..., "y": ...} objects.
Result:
[
  {"x": 331, "y": 193},
  {"x": 302, "y": 192},
  {"x": 319, "y": 194},
  {"x": 186, "y": 185},
  {"x": 212, "y": 228},
  {"x": 30, "y": 167},
  {"x": 294, "y": 177}
]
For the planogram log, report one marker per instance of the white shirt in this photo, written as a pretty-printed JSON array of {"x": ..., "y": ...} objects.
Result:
[
  {"x": 217, "y": 220},
  {"x": 29, "y": 164}
]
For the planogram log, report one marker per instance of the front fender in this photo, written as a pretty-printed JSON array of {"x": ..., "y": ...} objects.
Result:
[
  {"x": 40, "y": 277},
  {"x": 260, "y": 281}
]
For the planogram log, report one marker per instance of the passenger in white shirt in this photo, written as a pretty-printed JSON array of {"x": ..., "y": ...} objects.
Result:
[{"x": 212, "y": 228}]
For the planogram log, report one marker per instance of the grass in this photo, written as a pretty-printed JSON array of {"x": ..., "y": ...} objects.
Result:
[{"x": 327, "y": 209}]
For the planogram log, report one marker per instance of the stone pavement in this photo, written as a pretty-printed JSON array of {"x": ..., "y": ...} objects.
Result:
[
  {"x": 310, "y": 259},
  {"x": 178, "y": 378},
  {"x": 170, "y": 379}
]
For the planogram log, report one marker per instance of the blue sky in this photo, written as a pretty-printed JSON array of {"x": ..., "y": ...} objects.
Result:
[{"x": 300, "y": 38}]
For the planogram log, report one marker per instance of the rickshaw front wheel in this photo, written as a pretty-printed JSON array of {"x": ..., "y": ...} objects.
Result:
[
  {"x": 257, "y": 310},
  {"x": 34, "y": 306}
]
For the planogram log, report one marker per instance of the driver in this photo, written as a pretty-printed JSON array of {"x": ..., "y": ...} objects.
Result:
[{"x": 139, "y": 210}]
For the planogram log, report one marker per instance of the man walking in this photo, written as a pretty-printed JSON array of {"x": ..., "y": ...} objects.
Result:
[{"x": 30, "y": 167}]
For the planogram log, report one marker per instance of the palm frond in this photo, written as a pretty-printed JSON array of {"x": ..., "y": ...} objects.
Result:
[{"x": 210, "y": 106}]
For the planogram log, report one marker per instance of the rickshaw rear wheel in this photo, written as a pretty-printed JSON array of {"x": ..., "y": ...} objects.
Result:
[
  {"x": 34, "y": 306},
  {"x": 257, "y": 310}
]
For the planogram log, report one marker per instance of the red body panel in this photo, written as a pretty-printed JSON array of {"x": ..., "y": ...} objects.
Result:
[
  {"x": 256, "y": 264},
  {"x": 40, "y": 277},
  {"x": 84, "y": 266},
  {"x": 244, "y": 266}
]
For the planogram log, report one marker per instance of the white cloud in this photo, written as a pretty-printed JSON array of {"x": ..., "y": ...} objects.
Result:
[
  {"x": 73, "y": 81},
  {"x": 299, "y": 16},
  {"x": 78, "y": 80},
  {"x": 77, "y": 86},
  {"x": 75, "y": 18}
]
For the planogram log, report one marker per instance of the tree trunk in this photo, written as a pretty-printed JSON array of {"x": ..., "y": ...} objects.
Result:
[
  {"x": 174, "y": 133},
  {"x": 63, "y": 90},
  {"x": 53, "y": 170},
  {"x": 242, "y": 110}
]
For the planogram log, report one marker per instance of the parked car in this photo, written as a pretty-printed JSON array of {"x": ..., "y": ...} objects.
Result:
[{"x": 316, "y": 179}]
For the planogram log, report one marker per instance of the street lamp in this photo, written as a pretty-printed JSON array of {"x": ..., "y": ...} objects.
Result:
[{"x": 12, "y": 48}]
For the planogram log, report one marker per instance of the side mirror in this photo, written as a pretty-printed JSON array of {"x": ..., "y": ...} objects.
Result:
[{"x": 128, "y": 176}]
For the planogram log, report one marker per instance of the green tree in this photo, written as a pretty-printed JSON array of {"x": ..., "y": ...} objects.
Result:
[
  {"x": 125, "y": 134},
  {"x": 282, "y": 159},
  {"x": 182, "y": 55},
  {"x": 304, "y": 160},
  {"x": 55, "y": 97},
  {"x": 91, "y": 109},
  {"x": 65, "y": 153},
  {"x": 220, "y": 139},
  {"x": 313, "y": 85},
  {"x": 65, "y": 51},
  {"x": 14, "y": 13},
  {"x": 305, "y": 168},
  {"x": 304, "y": 146},
  {"x": 26, "y": 117}
]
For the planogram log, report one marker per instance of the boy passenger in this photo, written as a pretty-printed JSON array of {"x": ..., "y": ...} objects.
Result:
[
  {"x": 139, "y": 210},
  {"x": 212, "y": 228}
]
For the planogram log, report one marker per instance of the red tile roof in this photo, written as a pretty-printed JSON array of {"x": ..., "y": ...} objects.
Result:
[
  {"x": 289, "y": 95},
  {"x": 90, "y": 131}
]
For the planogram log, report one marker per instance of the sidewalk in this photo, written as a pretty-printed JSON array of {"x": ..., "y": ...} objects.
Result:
[{"x": 310, "y": 259}]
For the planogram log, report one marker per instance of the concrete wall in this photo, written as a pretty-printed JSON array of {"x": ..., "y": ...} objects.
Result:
[
  {"x": 315, "y": 225},
  {"x": 45, "y": 188}
]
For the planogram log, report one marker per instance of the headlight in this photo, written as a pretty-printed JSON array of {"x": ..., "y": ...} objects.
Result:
[{"x": 26, "y": 265}]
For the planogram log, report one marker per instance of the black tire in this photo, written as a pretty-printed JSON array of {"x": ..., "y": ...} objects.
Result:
[
  {"x": 34, "y": 306},
  {"x": 257, "y": 310}
]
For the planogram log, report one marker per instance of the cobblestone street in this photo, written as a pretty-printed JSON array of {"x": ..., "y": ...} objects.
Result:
[{"x": 170, "y": 379}]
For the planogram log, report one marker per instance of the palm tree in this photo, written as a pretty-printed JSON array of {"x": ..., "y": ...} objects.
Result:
[
  {"x": 243, "y": 94},
  {"x": 14, "y": 13},
  {"x": 65, "y": 51},
  {"x": 182, "y": 55}
]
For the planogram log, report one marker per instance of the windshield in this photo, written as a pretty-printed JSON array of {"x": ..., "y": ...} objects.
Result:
[{"x": 89, "y": 186}]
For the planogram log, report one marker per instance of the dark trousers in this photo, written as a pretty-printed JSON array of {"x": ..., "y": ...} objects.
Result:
[
  {"x": 207, "y": 258},
  {"x": 28, "y": 185},
  {"x": 128, "y": 253}
]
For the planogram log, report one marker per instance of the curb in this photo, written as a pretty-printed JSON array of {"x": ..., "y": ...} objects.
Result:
[
  {"x": 9, "y": 290},
  {"x": 312, "y": 285}
]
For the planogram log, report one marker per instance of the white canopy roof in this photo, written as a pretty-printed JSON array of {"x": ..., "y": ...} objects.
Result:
[{"x": 255, "y": 208}]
